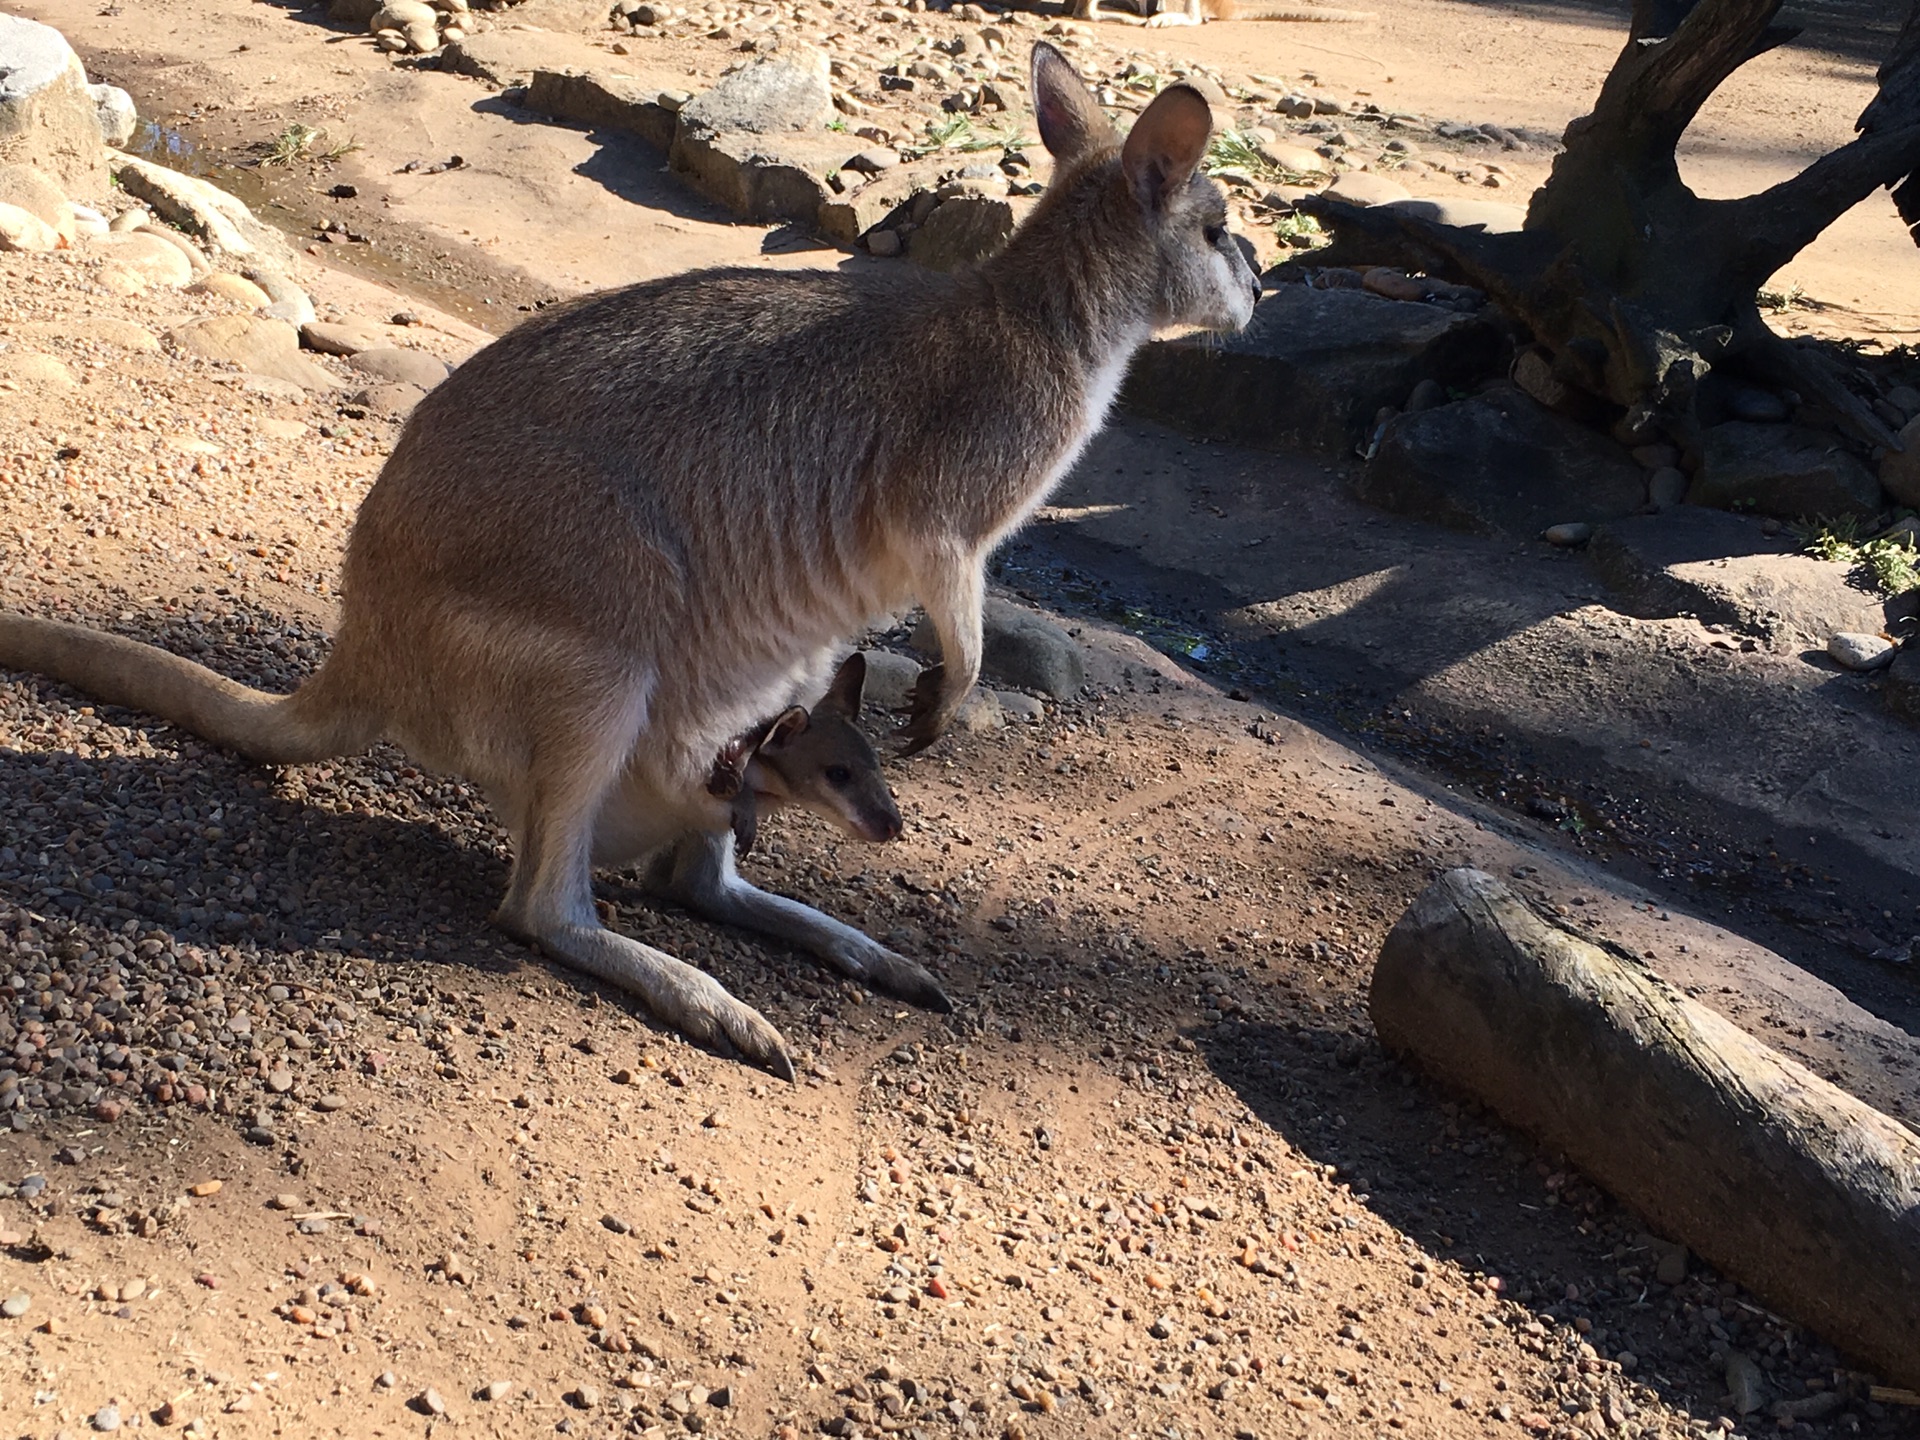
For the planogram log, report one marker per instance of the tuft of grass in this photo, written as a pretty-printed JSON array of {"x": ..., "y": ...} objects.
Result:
[
  {"x": 1888, "y": 563},
  {"x": 290, "y": 144},
  {"x": 955, "y": 132},
  {"x": 1782, "y": 302},
  {"x": 1234, "y": 150},
  {"x": 303, "y": 142}
]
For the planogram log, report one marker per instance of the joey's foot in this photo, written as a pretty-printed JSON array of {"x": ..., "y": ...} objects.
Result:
[
  {"x": 927, "y": 711},
  {"x": 906, "y": 980},
  {"x": 888, "y": 971}
]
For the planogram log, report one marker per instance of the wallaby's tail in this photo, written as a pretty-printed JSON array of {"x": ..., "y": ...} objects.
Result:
[{"x": 309, "y": 724}]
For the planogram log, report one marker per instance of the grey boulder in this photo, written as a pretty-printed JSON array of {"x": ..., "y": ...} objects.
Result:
[{"x": 48, "y": 117}]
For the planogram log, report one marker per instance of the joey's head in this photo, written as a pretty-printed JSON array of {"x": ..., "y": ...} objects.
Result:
[
  {"x": 820, "y": 761},
  {"x": 1144, "y": 212}
]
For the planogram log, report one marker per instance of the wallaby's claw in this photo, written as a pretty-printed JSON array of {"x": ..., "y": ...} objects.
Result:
[{"x": 926, "y": 711}]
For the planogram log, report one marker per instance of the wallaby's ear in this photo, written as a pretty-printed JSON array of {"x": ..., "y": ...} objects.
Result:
[
  {"x": 1069, "y": 119},
  {"x": 1166, "y": 144},
  {"x": 848, "y": 681},
  {"x": 791, "y": 725}
]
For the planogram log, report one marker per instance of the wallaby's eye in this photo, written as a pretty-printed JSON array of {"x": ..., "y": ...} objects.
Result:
[
  {"x": 838, "y": 774},
  {"x": 1216, "y": 236}
]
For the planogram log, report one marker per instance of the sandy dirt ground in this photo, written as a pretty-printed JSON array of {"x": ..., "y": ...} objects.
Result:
[{"x": 302, "y": 1147}]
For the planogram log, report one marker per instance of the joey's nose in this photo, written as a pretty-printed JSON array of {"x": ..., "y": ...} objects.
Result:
[{"x": 1256, "y": 289}]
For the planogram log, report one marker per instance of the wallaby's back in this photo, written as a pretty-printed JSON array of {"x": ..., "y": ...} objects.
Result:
[{"x": 783, "y": 440}]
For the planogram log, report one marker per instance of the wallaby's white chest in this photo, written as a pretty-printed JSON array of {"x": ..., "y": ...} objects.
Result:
[{"x": 1103, "y": 388}]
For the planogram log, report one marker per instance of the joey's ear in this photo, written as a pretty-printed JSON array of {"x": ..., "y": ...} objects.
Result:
[
  {"x": 791, "y": 725},
  {"x": 1166, "y": 144},
  {"x": 1069, "y": 119},
  {"x": 848, "y": 681}
]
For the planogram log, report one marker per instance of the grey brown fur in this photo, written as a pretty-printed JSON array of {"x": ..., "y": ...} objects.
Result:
[{"x": 627, "y": 530}]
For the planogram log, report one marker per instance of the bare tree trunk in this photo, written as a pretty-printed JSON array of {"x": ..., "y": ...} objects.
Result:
[
  {"x": 1636, "y": 285},
  {"x": 1781, "y": 1180}
]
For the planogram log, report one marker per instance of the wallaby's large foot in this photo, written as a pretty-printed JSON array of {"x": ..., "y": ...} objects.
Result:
[
  {"x": 681, "y": 997},
  {"x": 928, "y": 710}
]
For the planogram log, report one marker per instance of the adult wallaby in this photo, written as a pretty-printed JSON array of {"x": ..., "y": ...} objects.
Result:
[
  {"x": 627, "y": 530},
  {"x": 816, "y": 759}
]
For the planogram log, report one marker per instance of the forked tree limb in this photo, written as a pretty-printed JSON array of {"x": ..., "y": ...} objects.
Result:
[
  {"x": 1779, "y": 1179},
  {"x": 1778, "y": 223}
]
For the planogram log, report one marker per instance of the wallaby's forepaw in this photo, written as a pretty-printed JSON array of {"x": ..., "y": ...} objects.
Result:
[{"x": 927, "y": 711}]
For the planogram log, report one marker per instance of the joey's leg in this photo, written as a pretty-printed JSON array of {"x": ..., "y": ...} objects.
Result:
[
  {"x": 952, "y": 591},
  {"x": 699, "y": 874},
  {"x": 549, "y": 902}
]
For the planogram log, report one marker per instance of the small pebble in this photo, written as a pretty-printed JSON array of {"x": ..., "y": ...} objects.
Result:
[
  {"x": 107, "y": 1417},
  {"x": 15, "y": 1305},
  {"x": 429, "y": 1400},
  {"x": 1569, "y": 535},
  {"x": 497, "y": 1390},
  {"x": 586, "y": 1397}
]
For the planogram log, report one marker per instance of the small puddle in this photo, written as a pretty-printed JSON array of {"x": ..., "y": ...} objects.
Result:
[{"x": 269, "y": 197}]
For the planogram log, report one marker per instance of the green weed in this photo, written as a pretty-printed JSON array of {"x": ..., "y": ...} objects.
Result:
[{"x": 1889, "y": 564}]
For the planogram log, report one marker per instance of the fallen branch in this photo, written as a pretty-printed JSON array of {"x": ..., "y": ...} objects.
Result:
[{"x": 1782, "y": 1181}]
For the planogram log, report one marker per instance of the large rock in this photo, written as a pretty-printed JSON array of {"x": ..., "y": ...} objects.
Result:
[
  {"x": 1781, "y": 470},
  {"x": 1723, "y": 569},
  {"x": 1500, "y": 464},
  {"x": 514, "y": 57},
  {"x": 48, "y": 117},
  {"x": 34, "y": 191},
  {"x": 787, "y": 93},
  {"x": 199, "y": 208},
  {"x": 1489, "y": 215},
  {"x": 23, "y": 231},
  {"x": 408, "y": 367},
  {"x": 1900, "y": 469},
  {"x": 762, "y": 178},
  {"x": 1900, "y": 691},
  {"x": 845, "y": 218},
  {"x": 607, "y": 102},
  {"x": 256, "y": 344},
  {"x": 114, "y": 109},
  {"x": 157, "y": 262},
  {"x": 1312, "y": 368},
  {"x": 890, "y": 680},
  {"x": 1357, "y": 187},
  {"x": 962, "y": 231},
  {"x": 1020, "y": 648}
]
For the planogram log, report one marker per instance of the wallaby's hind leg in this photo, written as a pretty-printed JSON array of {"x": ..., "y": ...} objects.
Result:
[
  {"x": 549, "y": 900},
  {"x": 952, "y": 590},
  {"x": 698, "y": 873}
]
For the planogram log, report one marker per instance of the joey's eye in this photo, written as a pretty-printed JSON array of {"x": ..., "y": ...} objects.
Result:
[
  {"x": 838, "y": 774},
  {"x": 1216, "y": 235}
]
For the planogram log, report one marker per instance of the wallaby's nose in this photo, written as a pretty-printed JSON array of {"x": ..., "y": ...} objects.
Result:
[{"x": 1256, "y": 288}]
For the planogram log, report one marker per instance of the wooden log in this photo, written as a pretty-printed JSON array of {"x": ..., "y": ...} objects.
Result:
[{"x": 1786, "y": 1183}]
